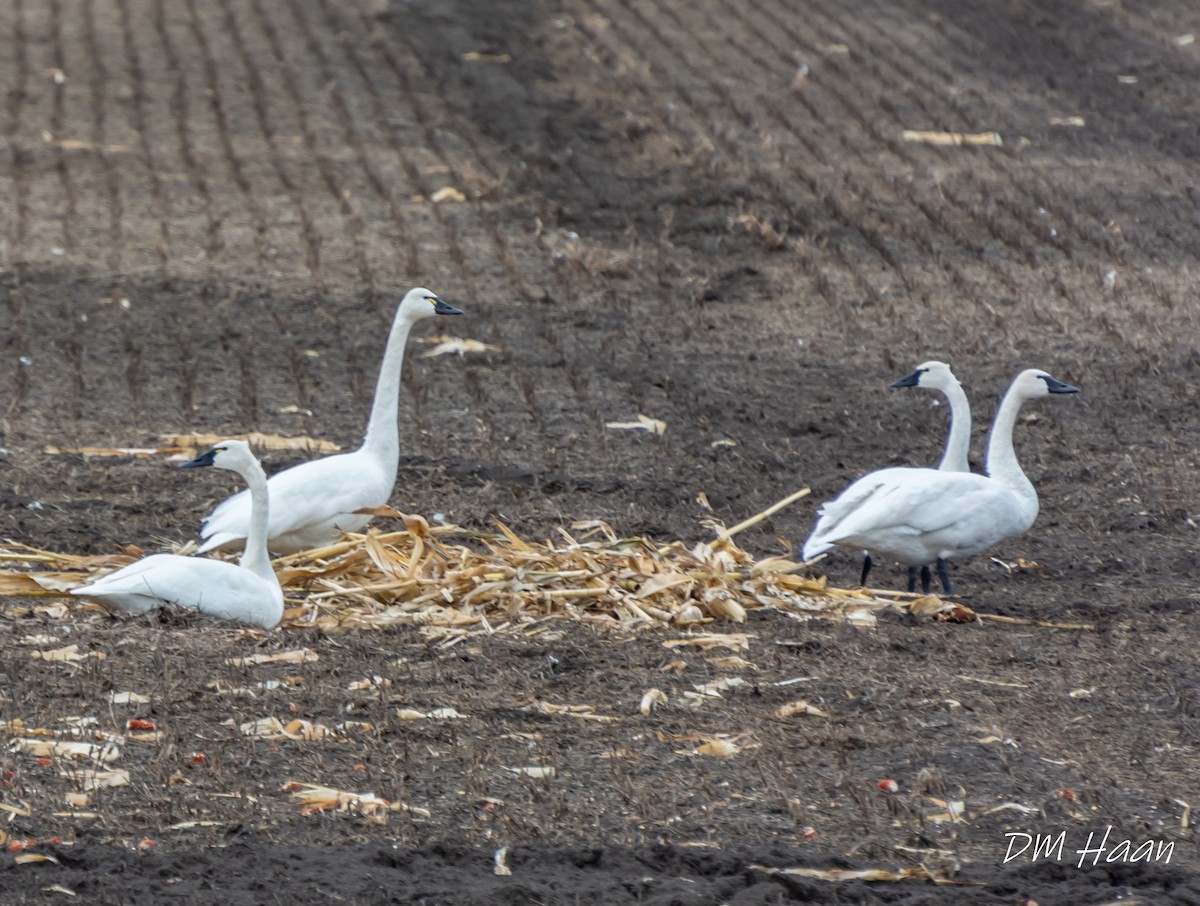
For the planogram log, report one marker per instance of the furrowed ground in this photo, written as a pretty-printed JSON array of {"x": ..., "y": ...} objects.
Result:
[{"x": 712, "y": 214}]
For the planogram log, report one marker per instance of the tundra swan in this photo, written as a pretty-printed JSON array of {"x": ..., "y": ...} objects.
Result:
[
  {"x": 934, "y": 375},
  {"x": 938, "y": 376},
  {"x": 248, "y": 592},
  {"x": 313, "y": 503},
  {"x": 919, "y": 516}
]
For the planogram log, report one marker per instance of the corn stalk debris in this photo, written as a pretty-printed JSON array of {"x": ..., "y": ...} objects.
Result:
[{"x": 453, "y": 582}]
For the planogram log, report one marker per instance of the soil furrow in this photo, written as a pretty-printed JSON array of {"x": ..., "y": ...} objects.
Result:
[
  {"x": 340, "y": 240},
  {"x": 15, "y": 106},
  {"x": 97, "y": 102},
  {"x": 137, "y": 86},
  {"x": 308, "y": 255},
  {"x": 216, "y": 100},
  {"x": 181, "y": 75}
]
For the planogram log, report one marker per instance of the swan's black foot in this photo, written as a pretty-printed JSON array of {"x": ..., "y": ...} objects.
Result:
[
  {"x": 944, "y": 575},
  {"x": 866, "y": 569},
  {"x": 926, "y": 580},
  {"x": 912, "y": 578}
]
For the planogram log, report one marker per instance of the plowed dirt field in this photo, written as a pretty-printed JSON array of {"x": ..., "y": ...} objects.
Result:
[{"x": 707, "y": 212}]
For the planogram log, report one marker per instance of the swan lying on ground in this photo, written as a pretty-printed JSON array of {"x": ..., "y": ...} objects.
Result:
[
  {"x": 248, "y": 592},
  {"x": 932, "y": 375},
  {"x": 919, "y": 516},
  {"x": 313, "y": 503}
]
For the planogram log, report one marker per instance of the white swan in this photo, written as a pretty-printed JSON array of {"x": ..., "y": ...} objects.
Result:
[
  {"x": 937, "y": 376},
  {"x": 919, "y": 516},
  {"x": 932, "y": 375},
  {"x": 313, "y": 503},
  {"x": 248, "y": 592}
]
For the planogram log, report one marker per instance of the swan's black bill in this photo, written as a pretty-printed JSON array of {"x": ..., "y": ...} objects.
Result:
[
  {"x": 1057, "y": 386},
  {"x": 911, "y": 381},
  {"x": 445, "y": 308},
  {"x": 204, "y": 459}
]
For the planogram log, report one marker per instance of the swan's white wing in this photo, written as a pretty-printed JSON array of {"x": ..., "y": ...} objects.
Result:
[
  {"x": 834, "y": 512},
  {"x": 303, "y": 496},
  {"x": 910, "y": 500},
  {"x": 923, "y": 514},
  {"x": 210, "y": 586}
]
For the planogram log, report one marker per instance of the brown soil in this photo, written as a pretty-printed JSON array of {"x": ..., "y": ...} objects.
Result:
[{"x": 210, "y": 210}]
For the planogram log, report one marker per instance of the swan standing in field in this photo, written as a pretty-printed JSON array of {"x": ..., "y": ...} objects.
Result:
[
  {"x": 313, "y": 503},
  {"x": 932, "y": 375},
  {"x": 919, "y": 516},
  {"x": 248, "y": 592}
]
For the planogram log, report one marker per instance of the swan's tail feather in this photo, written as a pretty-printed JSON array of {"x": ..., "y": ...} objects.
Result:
[{"x": 815, "y": 546}]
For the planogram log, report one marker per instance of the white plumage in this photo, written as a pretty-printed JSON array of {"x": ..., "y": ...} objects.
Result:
[
  {"x": 932, "y": 375},
  {"x": 937, "y": 376},
  {"x": 248, "y": 592},
  {"x": 313, "y": 503},
  {"x": 919, "y": 516}
]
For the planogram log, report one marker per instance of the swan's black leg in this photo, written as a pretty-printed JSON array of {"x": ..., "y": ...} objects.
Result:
[
  {"x": 926, "y": 580},
  {"x": 944, "y": 575},
  {"x": 912, "y": 578},
  {"x": 866, "y": 569}
]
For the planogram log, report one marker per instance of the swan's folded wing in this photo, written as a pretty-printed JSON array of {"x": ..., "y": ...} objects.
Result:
[
  {"x": 834, "y": 515},
  {"x": 129, "y": 579},
  {"x": 173, "y": 578},
  {"x": 230, "y": 513},
  {"x": 855, "y": 495},
  {"x": 917, "y": 502},
  {"x": 213, "y": 587},
  {"x": 304, "y": 495}
]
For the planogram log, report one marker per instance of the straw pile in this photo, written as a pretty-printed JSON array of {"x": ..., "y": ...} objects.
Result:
[{"x": 452, "y": 581}]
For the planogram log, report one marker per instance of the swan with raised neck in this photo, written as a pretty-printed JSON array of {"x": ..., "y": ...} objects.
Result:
[
  {"x": 313, "y": 503},
  {"x": 921, "y": 516},
  {"x": 248, "y": 592},
  {"x": 937, "y": 376}
]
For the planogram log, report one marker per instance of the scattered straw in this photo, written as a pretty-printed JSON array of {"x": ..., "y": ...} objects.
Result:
[
  {"x": 953, "y": 138},
  {"x": 453, "y": 582},
  {"x": 724, "y": 534}
]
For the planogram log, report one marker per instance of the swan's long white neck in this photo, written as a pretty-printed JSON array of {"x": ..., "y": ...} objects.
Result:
[
  {"x": 1001, "y": 462},
  {"x": 255, "y": 557},
  {"x": 957, "y": 457},
  {"x": 382, "y": 440}
]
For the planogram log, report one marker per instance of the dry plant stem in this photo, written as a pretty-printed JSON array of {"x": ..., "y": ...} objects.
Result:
[
  {"x": 726, "y": 534},
  {"x": 378, "y": 580},
  {"x": 1041, "y": 624}
]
